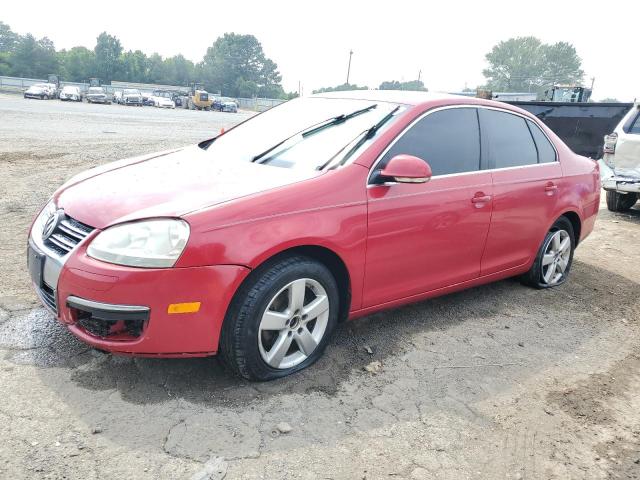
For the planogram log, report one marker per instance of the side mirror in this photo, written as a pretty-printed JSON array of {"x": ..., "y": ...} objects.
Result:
[{"x": 407, "y": 169}]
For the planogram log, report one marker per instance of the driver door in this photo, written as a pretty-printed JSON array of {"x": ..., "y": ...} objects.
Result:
[{"x": 423, "y": 237}]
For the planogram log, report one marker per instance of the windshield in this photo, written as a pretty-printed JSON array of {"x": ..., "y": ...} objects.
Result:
[
  {"x": 95, "y": 90},
  {"x": 70, "y": 89},
  {"x": 40, "y": 85},
  {"x": 131, "y": 92},
  {"x": 285, "y": 136}
]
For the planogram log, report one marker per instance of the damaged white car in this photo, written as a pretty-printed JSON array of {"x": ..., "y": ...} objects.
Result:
[{"x": 621, "y": 172}]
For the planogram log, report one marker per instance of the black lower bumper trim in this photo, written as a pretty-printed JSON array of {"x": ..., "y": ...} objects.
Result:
[{"x": 109, "y": 312}]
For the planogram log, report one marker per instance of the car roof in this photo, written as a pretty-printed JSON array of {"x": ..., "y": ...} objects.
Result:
[
  {"x": 391, "y": 96},
  {"x": 418, "y": 98}
]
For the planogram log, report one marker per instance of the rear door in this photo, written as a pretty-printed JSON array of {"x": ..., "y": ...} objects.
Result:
[
  {"x": 526, "y": 177},
  {"x": 425, "y": 236}
]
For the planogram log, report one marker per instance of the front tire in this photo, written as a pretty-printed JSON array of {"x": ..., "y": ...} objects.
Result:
[
  {"x": 554, "y": 258},
  {"x": 620, "y": 202},
  {"x": 280, "y": 320}
]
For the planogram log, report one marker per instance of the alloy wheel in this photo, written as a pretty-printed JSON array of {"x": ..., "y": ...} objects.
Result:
[
  {"x": 556, "y": 257},
  {"x": 294, "y": 323}
]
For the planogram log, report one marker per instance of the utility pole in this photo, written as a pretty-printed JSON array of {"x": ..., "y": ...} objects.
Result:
[
  {"x": 419, "y": 74},
  {"x": 349, "y": 67}
]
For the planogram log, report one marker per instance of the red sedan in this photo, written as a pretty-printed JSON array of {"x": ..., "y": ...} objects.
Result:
[{"x": 255, "y": 244}]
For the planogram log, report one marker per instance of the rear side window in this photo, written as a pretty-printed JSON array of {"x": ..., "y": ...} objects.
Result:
[
  {"x": 635, "y": 128},
  {"x": 510, "y": 141},
  {"x": 546, "y": 152},
  {"x": 449, "y": 140}
]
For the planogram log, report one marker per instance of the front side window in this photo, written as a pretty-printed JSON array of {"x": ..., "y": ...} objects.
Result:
[
  {"x": 546, "y": 152},
  {"x": 510, "y": 143},
  {"x": 449, "y": 140}
]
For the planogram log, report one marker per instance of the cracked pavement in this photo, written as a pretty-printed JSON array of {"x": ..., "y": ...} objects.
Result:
[{"x": 499, "y": 381}]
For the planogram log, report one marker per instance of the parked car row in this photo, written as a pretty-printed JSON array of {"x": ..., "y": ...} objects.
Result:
[{"x": 128, "y": 96}]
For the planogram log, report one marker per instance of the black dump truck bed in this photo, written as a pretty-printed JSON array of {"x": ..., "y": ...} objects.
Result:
[{"x": 582, "y": 126}]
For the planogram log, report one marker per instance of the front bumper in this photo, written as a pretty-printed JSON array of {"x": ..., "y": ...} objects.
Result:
[{"x": 126, "y": 310}]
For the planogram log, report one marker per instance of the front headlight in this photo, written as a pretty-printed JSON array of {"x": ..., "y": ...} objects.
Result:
[{"x": 149, "y": 243}]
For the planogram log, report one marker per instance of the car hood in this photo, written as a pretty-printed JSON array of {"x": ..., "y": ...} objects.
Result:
[{"x": 166, "y": 184}]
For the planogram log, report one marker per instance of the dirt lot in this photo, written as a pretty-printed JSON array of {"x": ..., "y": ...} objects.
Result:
[{"x": 496, "y": 382}]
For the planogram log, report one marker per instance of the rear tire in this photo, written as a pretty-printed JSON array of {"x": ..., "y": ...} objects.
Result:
[
  {"x": 620, "y": 202},
  {"x": 554, "y": 258},
  {"x": 271, "y": 330}
]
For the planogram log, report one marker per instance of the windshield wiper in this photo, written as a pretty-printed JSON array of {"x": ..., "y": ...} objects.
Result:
[
  {"x": 317, "y": 128},
  {"x": 366, "y": 135},
  {"x": 336, "y": 120}
]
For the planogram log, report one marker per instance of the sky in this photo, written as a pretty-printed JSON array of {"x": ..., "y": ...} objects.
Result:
[{"x": 391, "y": 40}]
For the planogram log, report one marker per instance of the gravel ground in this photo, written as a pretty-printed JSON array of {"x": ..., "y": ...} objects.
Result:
[{"x": 499, "y": 381}]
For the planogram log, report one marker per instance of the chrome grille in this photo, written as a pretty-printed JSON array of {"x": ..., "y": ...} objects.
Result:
[
  {"x": 67, "y": 234},
  {"x": 48, "y": 296}
]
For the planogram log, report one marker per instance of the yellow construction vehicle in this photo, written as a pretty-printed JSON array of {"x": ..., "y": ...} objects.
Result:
[{"x": 199, "y": 99}]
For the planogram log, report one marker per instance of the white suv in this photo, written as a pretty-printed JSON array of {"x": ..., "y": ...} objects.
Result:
[{"x": 622, "y": 156}]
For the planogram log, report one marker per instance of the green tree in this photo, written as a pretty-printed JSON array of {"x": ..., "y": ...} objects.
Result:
[
  {"x": 107, "y": 50},
  {"x": 561, "y": 64},
  {"x": 236, "y": 65},
  {"x": 5, "y": 65},
  {"x": 33, "y": 58},
  {"x": 8, "y": 39},
  {"x": 341, "y": 88},
  {"x": 77, "y": 64},
  {"x": 527, "y": 64},
  {"x": 179, "y": 70},
  {"x": 413, "y": 85},
  {"x": 134, "y": 67},
  {"x": 155, "y": 70}
]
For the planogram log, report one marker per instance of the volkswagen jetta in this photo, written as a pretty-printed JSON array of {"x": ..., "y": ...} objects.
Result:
[{"x": 253, "y": 245}]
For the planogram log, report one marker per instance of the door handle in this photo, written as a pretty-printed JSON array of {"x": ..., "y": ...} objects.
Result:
[
  {"x": 550, "y": 188},
  {"x": 481, "y": 199}
]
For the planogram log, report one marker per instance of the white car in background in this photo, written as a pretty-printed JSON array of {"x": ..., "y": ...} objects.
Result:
[
  {"x": 70, "y": 92},
  {"x": 621, "y": 173},
  {"x": 39, "y": 90},
  {"x": 161, "y": 101}
]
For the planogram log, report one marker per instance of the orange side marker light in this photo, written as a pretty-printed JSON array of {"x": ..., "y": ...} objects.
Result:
[{"x": 189, "y": 307}]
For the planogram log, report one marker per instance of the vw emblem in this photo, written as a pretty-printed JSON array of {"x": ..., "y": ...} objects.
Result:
[{"x": 51, "y": 223}]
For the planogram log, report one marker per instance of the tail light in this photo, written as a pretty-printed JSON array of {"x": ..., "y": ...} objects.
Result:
[{"x": 610, "y": 143}]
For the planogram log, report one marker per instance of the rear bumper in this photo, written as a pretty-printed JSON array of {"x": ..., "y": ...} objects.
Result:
[
  {"x": 621, "y": 184},
  {"x": 617, "y": 182}
]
